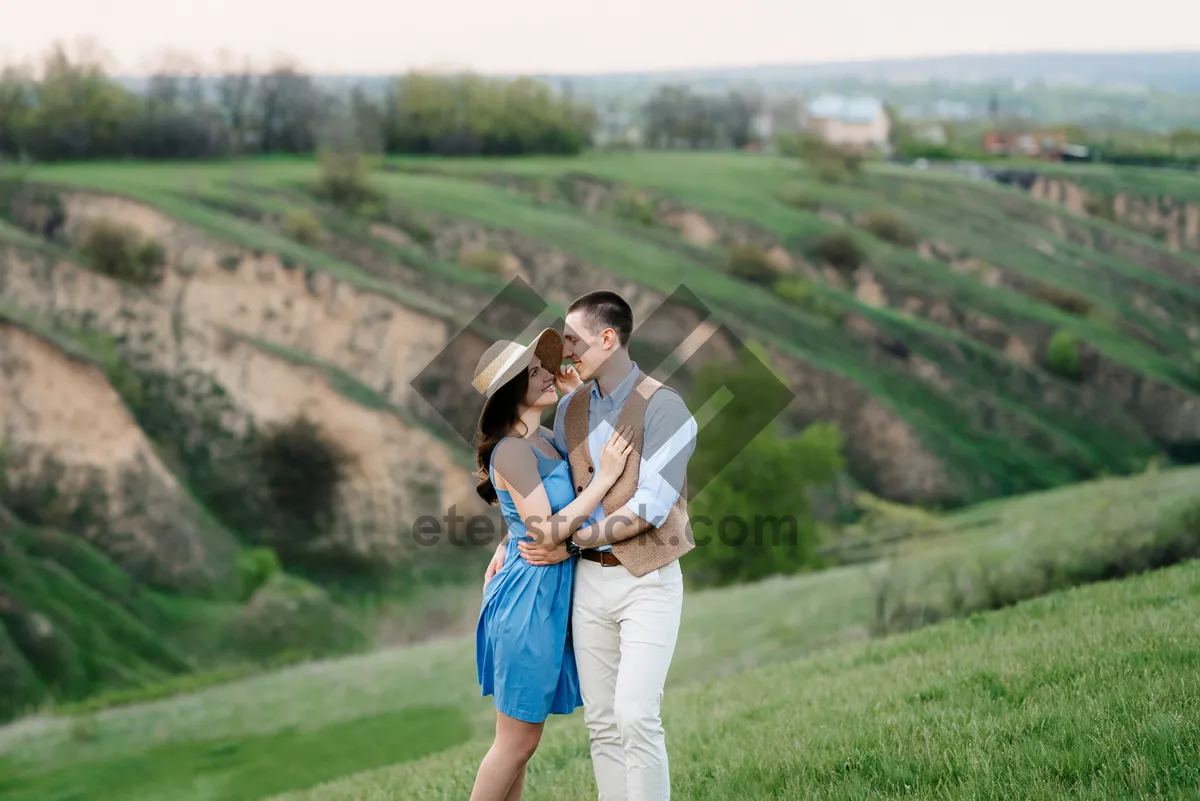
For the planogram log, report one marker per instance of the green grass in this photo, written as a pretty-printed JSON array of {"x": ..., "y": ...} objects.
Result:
[
  {"x": 162, "y": 188},
  {"x": 1087, "y": 694},
  {"x": 814, "y": 627},
  {"x": 998, "y": 427},
  {"x": 993, "y": 384},
  {"x": 105, "y": 631},
  {"x": 1141, "y": 181},
  {"x": 12, "y": 235},
  {"x": 249, "y": 768},
  {"x": 1005, "y": 227}
]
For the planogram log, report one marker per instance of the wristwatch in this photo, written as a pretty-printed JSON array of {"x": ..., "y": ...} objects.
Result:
[{"x": 572, "y": 548}]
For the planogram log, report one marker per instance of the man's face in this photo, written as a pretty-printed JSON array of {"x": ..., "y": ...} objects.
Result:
[{"x": 586, "y": 348}]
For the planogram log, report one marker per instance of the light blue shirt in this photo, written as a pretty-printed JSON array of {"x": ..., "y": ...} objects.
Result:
[{"x": 668, "y": 440}]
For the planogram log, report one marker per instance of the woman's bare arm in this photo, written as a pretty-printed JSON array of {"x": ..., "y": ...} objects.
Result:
[{"x": 516, "y": 467}]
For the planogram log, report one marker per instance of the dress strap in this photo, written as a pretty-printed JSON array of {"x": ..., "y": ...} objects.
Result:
[
  {"x": 536, "y": 452},
  {"x": 551, "y": 441}
]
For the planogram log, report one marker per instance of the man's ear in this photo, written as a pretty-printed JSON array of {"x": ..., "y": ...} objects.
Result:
[{"x": 610, "y": 339}]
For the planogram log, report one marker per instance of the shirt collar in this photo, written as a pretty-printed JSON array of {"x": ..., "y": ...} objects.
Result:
[{"x": 618, "y": 395}]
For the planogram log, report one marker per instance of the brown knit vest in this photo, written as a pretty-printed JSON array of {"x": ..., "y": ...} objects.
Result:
[{"x": 655, "y": 547}]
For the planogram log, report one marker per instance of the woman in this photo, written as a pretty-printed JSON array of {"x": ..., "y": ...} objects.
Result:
[{"x": 523, "y": 650}]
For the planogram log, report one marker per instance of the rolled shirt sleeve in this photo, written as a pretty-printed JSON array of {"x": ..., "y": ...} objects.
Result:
[{"x": 668, "y": 442}]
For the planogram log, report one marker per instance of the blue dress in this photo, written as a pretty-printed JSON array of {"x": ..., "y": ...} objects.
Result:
[{"x": 523, "y": 650}]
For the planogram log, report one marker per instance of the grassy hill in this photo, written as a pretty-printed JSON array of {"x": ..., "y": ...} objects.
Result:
[
  {"x": 971, "y": 342},
  {"x": 779, "y": 688},
  {"x": 952, "y": 336}
]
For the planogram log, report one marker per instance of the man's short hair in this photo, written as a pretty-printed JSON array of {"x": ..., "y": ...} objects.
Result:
[{"x": 603, "y": 309}]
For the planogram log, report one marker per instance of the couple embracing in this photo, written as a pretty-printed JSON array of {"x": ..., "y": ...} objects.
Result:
[{"x": 582, "y": 602}]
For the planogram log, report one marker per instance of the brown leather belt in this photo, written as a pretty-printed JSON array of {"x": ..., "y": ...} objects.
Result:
[{"x": 606, "y": 558}]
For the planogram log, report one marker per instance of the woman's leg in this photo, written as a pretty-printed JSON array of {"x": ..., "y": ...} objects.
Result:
[
  {"x": 518, "y": 787},
  {"x": 502, "y": 771}
]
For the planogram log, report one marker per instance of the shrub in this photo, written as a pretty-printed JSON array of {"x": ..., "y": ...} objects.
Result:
[
  {"x": 303, "y": 226},
  {"x": 483, "y": 259},
  {"x": 852, "y": 161},
  {"x": 84, "y": 728},
  {"x": 151, "y": 254},
  {"x": 802, "y": 294},
  {"x": 923, "y": 591},
  {"x": 1063, "y": 299},
  {"x": 1183, "y": 518},
  {"x": 1062, "y": 355},
  {"x": 799, "y": 199},
  {"x": 815, "y": 150},
  {"x": 255, "y": 568},
  {"x": 374, "y": 210},
  {"x": 751, "y": 263},
  {"x": 121, "y": 252},
  {"x": 22, "y": 688},
  {"x": 45, "y": 645},
  {"x": 411, "y": 224},
  {"x": 301, "y": 471},
  {"x": 831, "y": 163},
  {"x": 791, "y": 145},
  {"x": 831, "y": 172},
  {"x": 290, "y": 616},
  {"x": 890, "y": 228},
  {"x": 40, "y": 211},
  {"x": 757, "y": 515},
  {"x": 752, "y": 517},
  {"x": 636, "y": 208},
  {"x": 344, "y": 181},
  {"x": 1100, "y": 206},
  {"x": 839, "y": 250}
]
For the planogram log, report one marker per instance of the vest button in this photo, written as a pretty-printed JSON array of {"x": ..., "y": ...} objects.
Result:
[
  {"x": 590, "y": 470},
  {"x": 579, "y": 489}
]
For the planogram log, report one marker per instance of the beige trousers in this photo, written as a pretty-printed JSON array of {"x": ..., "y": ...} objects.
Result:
[{"x": 624, "y": 631}]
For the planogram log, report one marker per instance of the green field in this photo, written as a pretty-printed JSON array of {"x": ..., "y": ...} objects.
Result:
[
  {"x": 1091, "y": 694},
  {"x": 1087, "y": 692},
  {"x": 1020, "y": 382},
  {"x": 1005, "y": 425},
  {"x": 990, "y": 706}
]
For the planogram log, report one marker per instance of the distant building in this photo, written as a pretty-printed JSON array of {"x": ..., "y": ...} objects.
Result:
[
  {"x": 1048, "y": 143},
  {"x": 856, "y": 122}
]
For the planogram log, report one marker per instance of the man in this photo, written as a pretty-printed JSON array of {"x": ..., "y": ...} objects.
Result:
[{"x": 628, "y": 592}]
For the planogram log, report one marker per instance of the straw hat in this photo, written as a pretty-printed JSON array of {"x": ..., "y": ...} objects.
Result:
[{"x": 503, "y": 361}]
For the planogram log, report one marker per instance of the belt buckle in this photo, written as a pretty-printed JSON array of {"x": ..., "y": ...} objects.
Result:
[{"x": 602, "y": 558}]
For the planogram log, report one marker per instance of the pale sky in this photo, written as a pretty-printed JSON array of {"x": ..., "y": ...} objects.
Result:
[{"x": 370, "y": 36}]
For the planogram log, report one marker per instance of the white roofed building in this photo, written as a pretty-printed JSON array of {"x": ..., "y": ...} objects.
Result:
[{"x": 854, "y": 122}]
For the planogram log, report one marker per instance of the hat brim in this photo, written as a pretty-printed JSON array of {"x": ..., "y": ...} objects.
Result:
[{"x": 548, "y": 346}]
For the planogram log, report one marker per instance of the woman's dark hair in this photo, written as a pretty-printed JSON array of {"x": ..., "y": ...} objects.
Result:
[{"x": 500, "y": 414}]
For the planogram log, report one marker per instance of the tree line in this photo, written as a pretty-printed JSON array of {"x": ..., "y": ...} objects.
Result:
[
  {"x": 677, "y": 117},
  {"x": 68, "y": 107}
]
